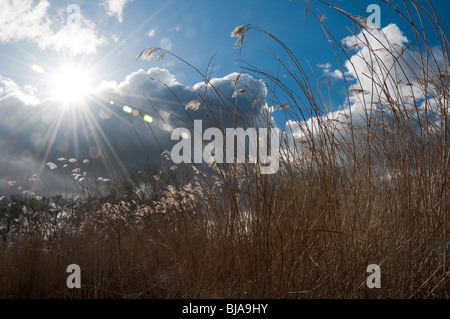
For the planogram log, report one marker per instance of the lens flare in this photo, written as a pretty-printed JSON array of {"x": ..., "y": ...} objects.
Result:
[
  {"x": 37, "y": 68},
  {"x": 166, "y": 44},
  {"x": 105, "y": 114},
  {"x": 95, "y": 152},
  {"x": 127, "y": 109}
]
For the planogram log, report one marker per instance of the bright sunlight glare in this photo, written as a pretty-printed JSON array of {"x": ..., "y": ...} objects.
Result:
[{"x": 70, "y": 85}]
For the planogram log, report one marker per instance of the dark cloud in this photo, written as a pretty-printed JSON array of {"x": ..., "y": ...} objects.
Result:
[{"x": 110, "y": 130}]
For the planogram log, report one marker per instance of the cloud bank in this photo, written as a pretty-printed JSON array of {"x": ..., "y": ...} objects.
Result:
[
  {"x": 26, "y": 21},
  {"x": 126, "y": 125},
  {"x": 109, "y": 130},
  {"x": 387, "y": 81}
]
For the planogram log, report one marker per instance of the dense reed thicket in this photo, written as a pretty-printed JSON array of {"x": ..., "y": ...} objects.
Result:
[{"x": 364, "y": 184}]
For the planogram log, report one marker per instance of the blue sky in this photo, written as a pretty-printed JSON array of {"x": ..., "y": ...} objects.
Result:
[
  {"x": 39, "y": 52},
  {"x": 194, "y": 30}
]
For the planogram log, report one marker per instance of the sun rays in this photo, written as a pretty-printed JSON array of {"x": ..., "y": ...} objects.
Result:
[{"x": 70, "y": 119}]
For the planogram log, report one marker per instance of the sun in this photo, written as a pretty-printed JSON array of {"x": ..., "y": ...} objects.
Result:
[{"x": 70, "y": 85}]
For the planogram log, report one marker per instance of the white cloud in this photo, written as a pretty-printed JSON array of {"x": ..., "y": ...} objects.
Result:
[
  {"x": 10, "y": 89},
  {"x": 115, "y": 8},
  {"x": 336, "y": 74},
  {"x": 25, "y": 20},
  {"x": 151, "y": 33},
  {"x": 385, "y": 77},
  {"x": 177, "y": 28},
  {"x": 379, "y": 59},
  {"x": 74, "y": 38}
]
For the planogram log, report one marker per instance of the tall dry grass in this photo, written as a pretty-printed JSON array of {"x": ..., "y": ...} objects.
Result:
[{"x": 346, "y": 196}]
